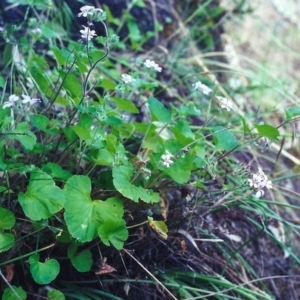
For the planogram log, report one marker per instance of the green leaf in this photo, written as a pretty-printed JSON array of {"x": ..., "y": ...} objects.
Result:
[
  {"x": 56, "y": 171},
  {"x": 39, "y": 77},
  {"x": 2, "y": 82},
  {"x": 189, "y": 109},
  {"x": 292, "y": 112},
  {"x": 158, "y": 111},
  {"x": 43, "y": 198},
  {"x": 224, "y": 139},
  {"x": 43, "y": 273},
  {"x": 108, "y": 84},
  {"x": 112, "y": 228},
  {"x": 81, "y": 213},
  {"x": 82, "y": 133},
  {"x": 14, "y": 293},
  {"x": 183, "y": 132},
  {"x": 114, "y": 232},
  {"x": 7, "y": 219},
  {"x": 82, "y": 261},
  {"x": 7, "y": 240},
  {"x": 113, "y": 121},
  {"x": 134, "y": 31},
  {"x": 55, "y": 295},
  {"x": 267, "y": 131},
  {"x": 122, "y": 176},
  {"x": 72, "y": 85},
  {"x": 180, "y": 170},
  {"x": 61, "y": 55},
  {"x": 48, "y": 32},
  {"x": 104, "y": 158},
  {"x": 125, "y": 104},
  {"x": 41, "y": 122},
  {"x": 24, "y": 135},
  {"x": 84, "y": 216}
]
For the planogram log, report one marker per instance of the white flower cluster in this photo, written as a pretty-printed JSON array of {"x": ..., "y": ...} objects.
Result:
[
  {"x": 225, "y": 103},
  {"x": 260, "y": 181},
  {"x": 26, "y": 100},
  {"x": 150, "y": 64},
  {"x": 87, "y": 33},
  {"x": 127, "y": 79},
  {"x": 88, "y": 10},
  {"x": 166, "y": 159},
  {"x": 199, "y": 86}
]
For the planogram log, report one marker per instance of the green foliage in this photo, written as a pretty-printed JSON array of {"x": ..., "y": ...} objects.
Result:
[
  {"x": 158, "y": 111},
  {"x": 43, "y": 273},
  {"x": 122, "y": 182},
  {"x": 99, "y": 150},
  {"x": 42, "y": 198},
  {"x": 224, "y": 139},
  {"x": 55, "y": 295},
  {"x": 24, "y": 135},
  {"x": 14, "y": 293},
  {"x": 292, "y": 112},
  {"x": 7, "y": 221},
  {"x": 82, "y": 261},
  {"x": 267, "y": 131},
  {"x": 86, "y": 218}
]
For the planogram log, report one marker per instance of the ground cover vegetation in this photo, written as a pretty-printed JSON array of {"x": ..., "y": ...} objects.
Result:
[{"x": 129, "y": 169}]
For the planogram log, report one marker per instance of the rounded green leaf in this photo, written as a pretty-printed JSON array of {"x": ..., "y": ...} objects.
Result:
[
  {"x": 81, "y": 213},
  {"x": 55, "y": 295},
  {"x": 180, "y": 170},
  {"x": 224, "y": 138},
  {"x": 7, "y": 240},
  {"x": 113, "y": 228},
  {"x": 7, "y": 219},
  {"x": 104, "y": 158},
  {"x": 43, "y": 273},
  {"x": 43, "y": 198},
  {"x": 24, "y": 135},
  {"x": 114, "y": 232},
  {"x": 14, "y": 293},
  {"x": 84, "y": 216},
  {"x": 82, "y": 261}
]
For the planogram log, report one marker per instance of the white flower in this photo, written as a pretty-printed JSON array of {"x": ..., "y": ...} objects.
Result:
[
  {"x": 260, "y": 181},
  {"x": 36, "y": 31},
  {"x": 127, "y": 79},
  {"x": 87, "y": 33},
  {"x": 199, "y": 86},
  {"x": 11, "y": 100},
  {"x": 150, "y": 64},
  {"x": 88, "y": 10},
  {"x": 225, "y": 103},
  {"x": 30, "y": 101},
  {"x": 259, "y": 193},
  {"x": 166, "y": 159}
]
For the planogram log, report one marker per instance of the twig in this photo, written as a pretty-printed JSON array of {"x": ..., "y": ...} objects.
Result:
[{"x": 150, "y": 274}]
